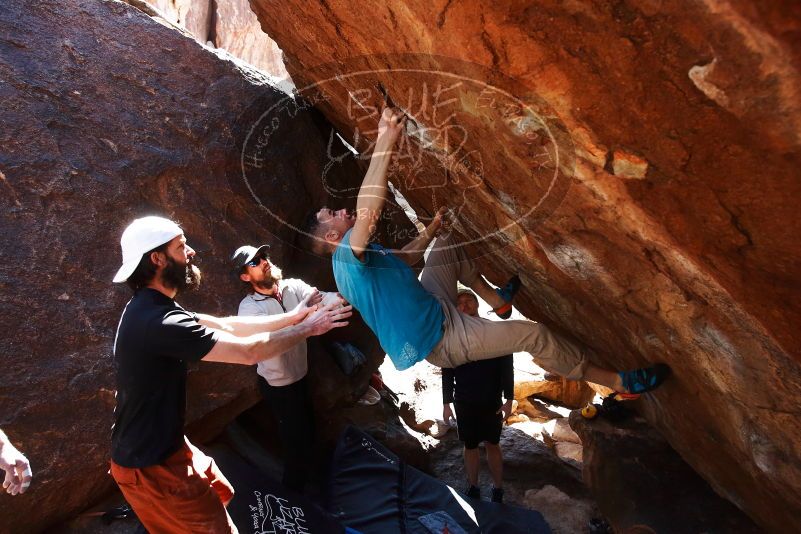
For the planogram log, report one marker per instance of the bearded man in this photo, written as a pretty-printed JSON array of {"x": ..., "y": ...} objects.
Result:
[
  {"x": 285, "y": 384},
  {"x": 171, "y": 485}
]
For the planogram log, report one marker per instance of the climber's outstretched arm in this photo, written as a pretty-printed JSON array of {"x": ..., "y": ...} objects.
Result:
[{"x": 373, "y": 192}]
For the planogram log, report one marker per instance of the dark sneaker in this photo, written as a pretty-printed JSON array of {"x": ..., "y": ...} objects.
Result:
[
  {"x": 645, "y": 379},
  {"x": 497, "y": 494},
  {"x": 473, "y": 492},
  {"x": 507, "y": 293}
]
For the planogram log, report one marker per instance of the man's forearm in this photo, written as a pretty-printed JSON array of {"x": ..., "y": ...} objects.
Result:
[
  {"x": 248, "y": 325},
  {"x": 413, "y": 251},
  {"x": 373, "y": 192},
  {"x": 252, "y": 349},
  {"x": 271, "y": 344}
]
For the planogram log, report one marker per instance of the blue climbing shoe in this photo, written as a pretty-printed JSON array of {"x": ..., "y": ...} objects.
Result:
[
  {"x": 507, "y": 293},
  {"x": 642, "y": 380}
]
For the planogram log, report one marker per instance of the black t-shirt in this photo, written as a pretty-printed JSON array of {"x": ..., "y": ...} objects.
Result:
[
  {"x": 155, "y": 339},
  {"x": 480, "y": 382}
]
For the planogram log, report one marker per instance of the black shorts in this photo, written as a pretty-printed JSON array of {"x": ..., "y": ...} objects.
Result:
[{"x": 477, "y": 423}]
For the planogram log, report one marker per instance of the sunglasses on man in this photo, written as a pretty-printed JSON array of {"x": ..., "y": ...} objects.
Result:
[{"x": 256, "y": 261}]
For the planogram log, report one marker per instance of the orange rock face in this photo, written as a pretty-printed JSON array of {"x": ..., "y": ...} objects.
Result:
[
  {"x": 230, "y": 25},
  {"x": 637, "y": 163},
  {"x": 194, "y": 15},
  {"x": 237, "y": 30}
]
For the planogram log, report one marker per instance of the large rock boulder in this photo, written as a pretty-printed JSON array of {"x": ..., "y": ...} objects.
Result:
[
  {"x": 530, "y": 379},
  {"x": 637, "y": 160},
  {"x": 230, "y": 25},
  {"x": 108, "y": 115},
  {"x": 639, "y": 481},
  {"x": 562, "y": 512}
]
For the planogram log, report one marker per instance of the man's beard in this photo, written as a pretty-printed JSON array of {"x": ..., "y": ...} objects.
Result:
[
  {"x": 181, "y": 277},
  {"x": 270, "y": 279}
]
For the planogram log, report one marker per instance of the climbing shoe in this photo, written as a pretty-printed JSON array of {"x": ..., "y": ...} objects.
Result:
[
  {"x": 507, "y": 293},
  {"x": 641, "y": 380},
  {"x": 497, "y": 494},
  {"x": 473, "y": 492}
]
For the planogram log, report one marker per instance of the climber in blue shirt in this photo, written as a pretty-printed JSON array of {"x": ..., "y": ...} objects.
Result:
[{"x": 417, "y": 319}]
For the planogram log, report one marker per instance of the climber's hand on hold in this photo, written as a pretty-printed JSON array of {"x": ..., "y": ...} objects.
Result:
[
  {"x": 441, "y": 224},
  {"x": 390, "y": 125}
]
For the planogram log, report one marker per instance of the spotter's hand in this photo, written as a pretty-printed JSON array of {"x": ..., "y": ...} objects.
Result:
[
  {"x": 307, "y": 305},
  {"x": 17, "y": 469},
  {"x": 327, "y": 318}
]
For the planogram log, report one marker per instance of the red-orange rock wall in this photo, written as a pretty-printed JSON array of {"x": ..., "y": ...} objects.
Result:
[
  {"x": 677, "y": 238},
  {"x": 230, "y": 25}
]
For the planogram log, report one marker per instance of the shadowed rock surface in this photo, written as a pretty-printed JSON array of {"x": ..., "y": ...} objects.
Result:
[
  {"x": 108, "y": 115},
  {"x": 637, "y": 479},
  {"x": 671, "y": 134}
]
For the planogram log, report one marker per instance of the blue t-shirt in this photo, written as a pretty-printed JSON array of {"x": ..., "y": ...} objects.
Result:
[{"x": 406, "y": 318}]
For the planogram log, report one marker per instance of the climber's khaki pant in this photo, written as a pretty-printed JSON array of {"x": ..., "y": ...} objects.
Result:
[{"x": 466, "y": 339}]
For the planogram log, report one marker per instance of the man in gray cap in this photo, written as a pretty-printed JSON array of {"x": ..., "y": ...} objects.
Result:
[
  {"x": 171, "y": 485},
  {"x": 285, "y": 384}
]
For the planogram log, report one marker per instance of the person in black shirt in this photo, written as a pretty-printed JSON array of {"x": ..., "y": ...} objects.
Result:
[
  {"x": 171, "y": 485},
  {"x": 475, "y": 389}
]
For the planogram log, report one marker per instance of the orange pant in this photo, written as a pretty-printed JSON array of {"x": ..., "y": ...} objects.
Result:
[{"x": 187, "y": 493}]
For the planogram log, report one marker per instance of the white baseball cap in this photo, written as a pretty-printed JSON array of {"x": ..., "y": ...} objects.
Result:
[{"x": 141, "y": 236}]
